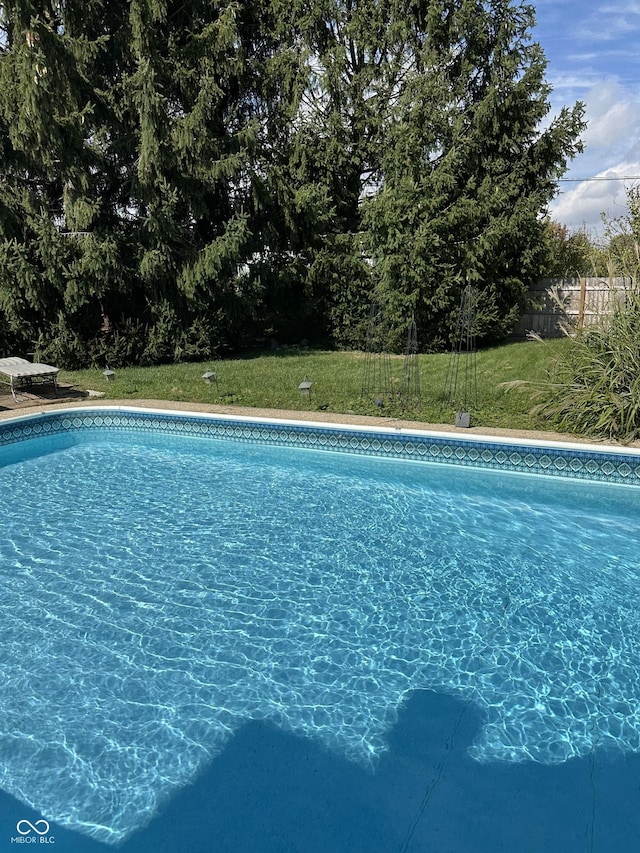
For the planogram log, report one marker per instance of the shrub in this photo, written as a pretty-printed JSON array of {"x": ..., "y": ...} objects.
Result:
[{"x": 596, "y": 390}]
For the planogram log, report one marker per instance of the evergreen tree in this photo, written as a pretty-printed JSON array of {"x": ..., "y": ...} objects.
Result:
[
  {"x": 44, "y": 105},
  {"x": 290, "y": 213},
  {"x": 358, "y": 55},
  {"x": 467, "y": 170},
  {"x": 422, "y": 123},
  {"x": 178, "y": 175},
  {"x": 126, "y": 148}
]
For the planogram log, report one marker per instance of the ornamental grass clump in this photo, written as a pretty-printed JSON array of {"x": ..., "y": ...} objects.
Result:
[{"x": 596, "y": 389}]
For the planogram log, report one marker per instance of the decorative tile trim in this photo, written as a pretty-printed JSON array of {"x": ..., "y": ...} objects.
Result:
[{"x": 563, "y": 460}]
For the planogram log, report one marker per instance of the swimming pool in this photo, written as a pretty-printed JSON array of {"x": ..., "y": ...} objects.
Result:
[{"x": 221, "y": 634}]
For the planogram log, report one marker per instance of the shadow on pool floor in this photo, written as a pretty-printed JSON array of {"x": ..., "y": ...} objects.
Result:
[{"x": 271, "y": 792}]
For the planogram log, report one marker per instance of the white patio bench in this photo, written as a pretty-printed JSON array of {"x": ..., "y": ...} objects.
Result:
[{"x": 18, "y": 373}]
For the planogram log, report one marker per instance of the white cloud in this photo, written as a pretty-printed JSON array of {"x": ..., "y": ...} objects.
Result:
[
  {"x": 612, "y": 115},
  {"x": 609, "y": 22},
  {"x": 591, "y": 47},
  {"x": 611, "y": 157},
  {"x": 573, "y": 82},
  {"x": 629, "y": 54},
  {"x": 582, "y": 206}
]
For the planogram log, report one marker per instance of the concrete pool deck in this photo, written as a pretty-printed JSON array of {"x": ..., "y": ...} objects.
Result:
[{"x": 70, "y": 398}]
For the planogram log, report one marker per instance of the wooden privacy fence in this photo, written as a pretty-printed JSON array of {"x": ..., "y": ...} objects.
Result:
[{"x": 569, "y": 302}]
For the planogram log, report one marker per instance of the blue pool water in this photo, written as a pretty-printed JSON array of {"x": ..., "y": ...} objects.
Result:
[{"x": 215, "y": 646}]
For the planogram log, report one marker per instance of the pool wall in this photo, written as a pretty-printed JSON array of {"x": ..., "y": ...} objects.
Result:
[{"x": 558, "y": 459}]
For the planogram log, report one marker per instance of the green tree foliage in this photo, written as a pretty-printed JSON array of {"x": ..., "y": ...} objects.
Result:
[
  {"x": 620, "y": 250},
  {"x": 128, "y": 133},
  {"x": 184, "y": 177},
  {"x": 468, "y": 169},
  {"x": 569, "y": 255},
  {"x": 353, "y": 55}
]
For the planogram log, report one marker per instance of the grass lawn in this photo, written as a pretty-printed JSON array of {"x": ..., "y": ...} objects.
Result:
[{"x": 271, "y": 379}]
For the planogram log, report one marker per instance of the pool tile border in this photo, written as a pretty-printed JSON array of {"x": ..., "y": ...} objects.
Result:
[{"x": 562, "y": 460}]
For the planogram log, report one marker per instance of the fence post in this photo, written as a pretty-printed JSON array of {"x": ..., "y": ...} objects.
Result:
[{"x": 582, "y": 301}]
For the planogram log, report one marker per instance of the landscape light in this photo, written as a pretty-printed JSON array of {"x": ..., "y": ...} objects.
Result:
[{"x": 305, "y": 388}]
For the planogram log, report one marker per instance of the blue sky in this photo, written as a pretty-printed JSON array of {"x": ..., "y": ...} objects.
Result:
[{"x": 593, "y": 56}]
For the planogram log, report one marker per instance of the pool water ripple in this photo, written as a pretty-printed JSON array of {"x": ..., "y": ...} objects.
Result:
[{"x": 154, "y": 599}]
